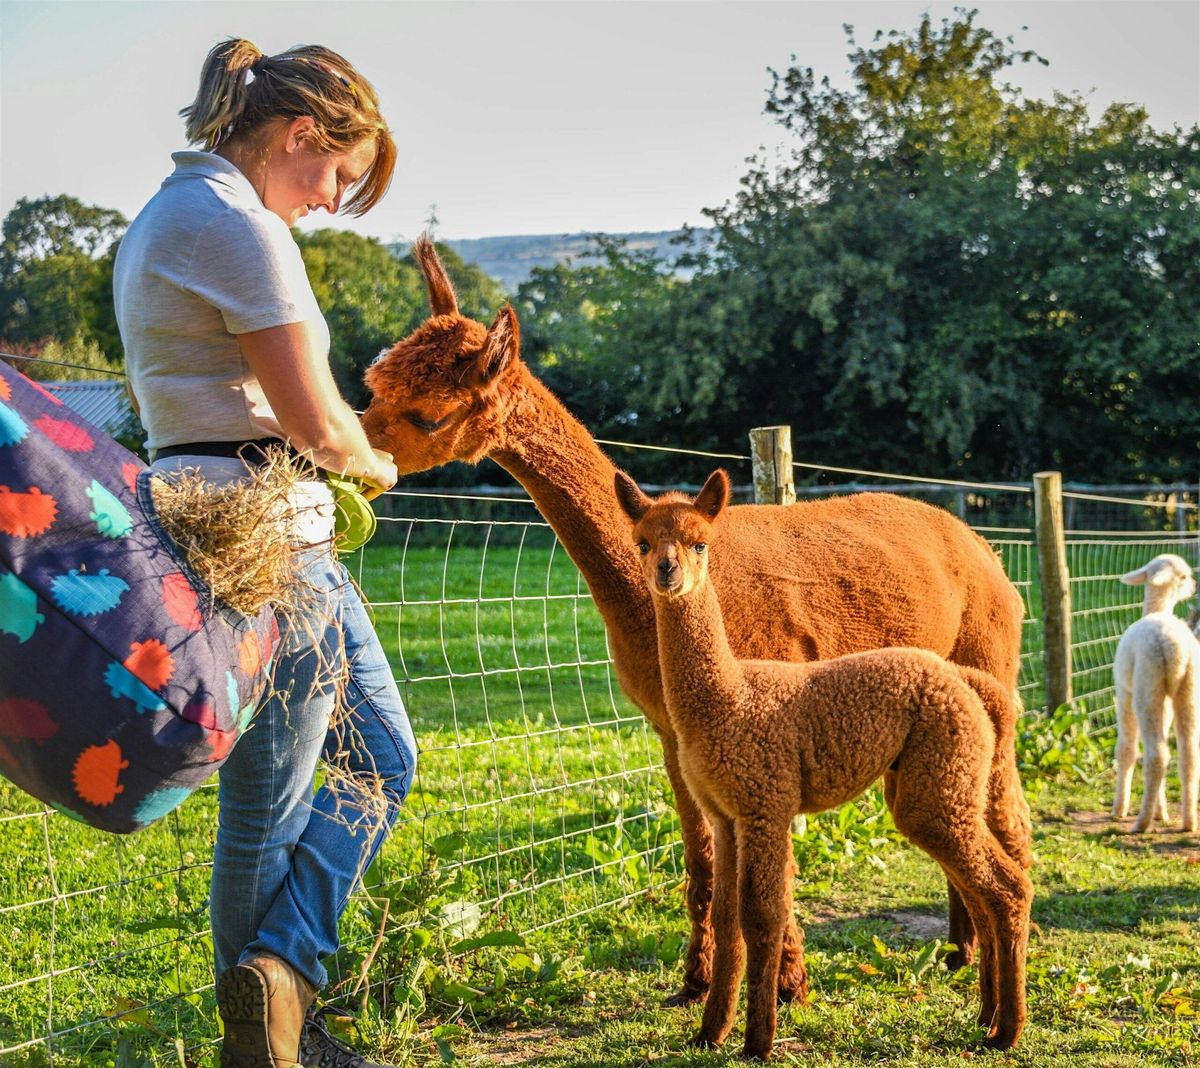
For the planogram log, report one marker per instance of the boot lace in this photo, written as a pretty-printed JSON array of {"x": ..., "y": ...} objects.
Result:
[{"x": 320, "y": 1049}]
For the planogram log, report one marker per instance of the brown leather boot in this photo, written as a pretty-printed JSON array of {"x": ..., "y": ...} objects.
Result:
[{"x": 262, "y": 1001}]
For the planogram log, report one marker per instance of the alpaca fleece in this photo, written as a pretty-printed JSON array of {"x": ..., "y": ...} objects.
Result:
[
  {"x": 761, "y": 740},
  {"x": 808, "y": 581}
]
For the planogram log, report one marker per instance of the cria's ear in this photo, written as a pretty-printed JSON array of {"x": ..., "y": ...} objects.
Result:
[
  {"x": 441, "y": 293},
  {"x": 634, "y": 503},
  {"x": 713, "y": 496}
]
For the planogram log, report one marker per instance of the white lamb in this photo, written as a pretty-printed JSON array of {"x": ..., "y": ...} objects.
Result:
[{"x": 1155, "y": 675}]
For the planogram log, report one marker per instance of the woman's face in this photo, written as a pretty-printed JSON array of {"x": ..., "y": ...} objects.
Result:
[{"x": 298, "y": 178}]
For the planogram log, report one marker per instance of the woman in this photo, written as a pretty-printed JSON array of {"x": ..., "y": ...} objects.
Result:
[{"x": 227, "y": 352}]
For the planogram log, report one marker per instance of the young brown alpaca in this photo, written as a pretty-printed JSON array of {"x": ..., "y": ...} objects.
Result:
[
  {"x": 809, "y": 581},
  {"x": 760, "y": 740}
]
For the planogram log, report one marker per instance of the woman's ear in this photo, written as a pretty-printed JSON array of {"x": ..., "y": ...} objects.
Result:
[{"x": 298, "y": 131}]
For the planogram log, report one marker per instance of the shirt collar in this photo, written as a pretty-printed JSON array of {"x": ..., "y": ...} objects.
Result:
[{"x": 192, "y": 163}]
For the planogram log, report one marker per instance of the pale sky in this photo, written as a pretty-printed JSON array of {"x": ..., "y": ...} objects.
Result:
[{"x": 529, "y": 117}]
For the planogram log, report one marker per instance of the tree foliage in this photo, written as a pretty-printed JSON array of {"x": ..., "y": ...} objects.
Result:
[
  {"x": 56, "y": 272},
  {"x": 938, "y": 276}
]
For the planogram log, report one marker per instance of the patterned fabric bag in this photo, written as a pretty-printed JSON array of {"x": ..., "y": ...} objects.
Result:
[{"x": 123, "y": 686}]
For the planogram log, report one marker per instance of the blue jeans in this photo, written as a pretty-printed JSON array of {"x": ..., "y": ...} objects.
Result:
[{"x": 286, "y": 861}]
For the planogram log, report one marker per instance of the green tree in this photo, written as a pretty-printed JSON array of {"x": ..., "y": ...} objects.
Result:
[
  {"x": 947, "y": 276},
  {"x": 56, "y": 272}
]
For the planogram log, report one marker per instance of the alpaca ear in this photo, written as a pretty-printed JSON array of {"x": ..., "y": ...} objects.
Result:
[
  {"x": 711, "y": 500},
  {"x": 634, "y": 503},
  {"x": 441, "y": 293},
  {"x": 503, "y": 343}
]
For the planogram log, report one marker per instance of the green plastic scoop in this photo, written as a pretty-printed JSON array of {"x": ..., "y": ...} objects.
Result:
[{"x": 354, "y": 519}]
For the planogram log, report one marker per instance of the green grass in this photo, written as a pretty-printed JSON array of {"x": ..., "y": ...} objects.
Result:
[{"x": 539, "y": 804}]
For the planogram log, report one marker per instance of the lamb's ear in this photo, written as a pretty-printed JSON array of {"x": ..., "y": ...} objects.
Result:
[
  {"x": 1135, "y": 578},
  {"x": 713, "y": 496},
  {"x": 634, "y": 503},
  {"x": 441, "y": 293}
]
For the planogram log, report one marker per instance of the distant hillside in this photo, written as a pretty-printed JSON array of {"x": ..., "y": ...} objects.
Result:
[{"x": 510, "y": 260}]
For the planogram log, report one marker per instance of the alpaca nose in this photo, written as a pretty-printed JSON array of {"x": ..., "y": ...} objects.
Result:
[{"x": 666, "y": 568}]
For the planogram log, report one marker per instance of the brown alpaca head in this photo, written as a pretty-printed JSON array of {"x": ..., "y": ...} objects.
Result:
[
  {"x": 673, "y": 533},
  {"x": 439, "y": 394}
]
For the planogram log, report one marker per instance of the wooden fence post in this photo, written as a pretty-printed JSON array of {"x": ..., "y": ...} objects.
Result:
[
  {"x": 771, "y": 454},
  {"x": 1056, "y": 586}
]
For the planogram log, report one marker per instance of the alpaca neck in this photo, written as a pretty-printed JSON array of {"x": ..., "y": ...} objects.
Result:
[
  {"x": 571, "y": 481},
  {"x": 701, "y": 677}
]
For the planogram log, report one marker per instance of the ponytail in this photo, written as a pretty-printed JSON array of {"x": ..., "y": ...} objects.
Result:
[
  {"x": 224, "y": 92},
  {"x": 241, "y": 90}
]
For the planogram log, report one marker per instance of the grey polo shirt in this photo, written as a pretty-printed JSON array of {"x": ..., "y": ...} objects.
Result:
[{"x": 203, "y": 262}]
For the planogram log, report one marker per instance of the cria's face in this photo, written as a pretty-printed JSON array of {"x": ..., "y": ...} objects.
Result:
[{"x": 673, "y": 542}]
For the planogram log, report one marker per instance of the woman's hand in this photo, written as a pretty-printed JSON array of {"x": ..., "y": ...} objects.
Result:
[{"x": 383, "y": 476}]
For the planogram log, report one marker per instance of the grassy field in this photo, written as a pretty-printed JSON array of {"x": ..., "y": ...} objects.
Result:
[{"x": 527, "y": 909}]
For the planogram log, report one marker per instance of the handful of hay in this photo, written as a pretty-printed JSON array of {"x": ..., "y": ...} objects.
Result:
[{"x": 238, "y": 538}]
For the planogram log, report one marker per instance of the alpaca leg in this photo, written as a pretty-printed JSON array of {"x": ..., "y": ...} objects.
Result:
[
  {"x": 764, "y": 900},
  {"x": 1126, "y": 756},
  {"x": 1187, "y": 745},
  {"x": 962, "y": 930},
  {"x": 999, "y": 892},
  {"x": 720, "y": 1010},
  {"x": 697, "y": 860},
  {"x": 793, "y": 976}
]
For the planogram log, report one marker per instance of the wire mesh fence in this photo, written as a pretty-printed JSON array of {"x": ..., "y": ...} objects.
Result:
[{"x": 540, "y": 793}]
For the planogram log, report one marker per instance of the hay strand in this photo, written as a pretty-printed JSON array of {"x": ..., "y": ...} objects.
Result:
[{"x": 238, "y": 538}]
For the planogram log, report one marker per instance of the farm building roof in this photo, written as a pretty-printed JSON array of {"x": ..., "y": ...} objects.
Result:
[{"x": 103, "y": 403}]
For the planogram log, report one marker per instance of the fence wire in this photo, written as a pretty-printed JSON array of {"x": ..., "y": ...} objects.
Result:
[{"x": 540, "y": 794}]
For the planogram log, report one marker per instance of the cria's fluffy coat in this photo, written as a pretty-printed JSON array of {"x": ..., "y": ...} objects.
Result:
[
  {"x": 1155, "y": 676},
  {"x": 761, "y": 740},
  {"x": 809, "y": 581}
]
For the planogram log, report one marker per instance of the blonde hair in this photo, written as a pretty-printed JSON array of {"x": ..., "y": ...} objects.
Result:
[{"x": 242, "y": 90}]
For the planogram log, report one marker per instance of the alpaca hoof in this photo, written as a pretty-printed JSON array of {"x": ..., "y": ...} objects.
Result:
[
  {"x": 757, "y": 1051},
  {"x": 1140, "y": 827},
  {"x": 700, "y": 1041},
  {"x": 1002, "y": 1038},
  {"x": 689, "y": 995},
  {"x": 960, "y": 957}
]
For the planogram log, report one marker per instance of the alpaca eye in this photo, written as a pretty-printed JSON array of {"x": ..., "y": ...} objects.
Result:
[
  {"x": 426, "y": 426},
  {"x": 699, "y": 547},
  {"x": 643, "y": 547}
]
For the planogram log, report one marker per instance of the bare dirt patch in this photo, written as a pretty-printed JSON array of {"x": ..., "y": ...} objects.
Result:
[
  {"x": 1163, "y": 838},
  {"x": 919, "y": 926}
]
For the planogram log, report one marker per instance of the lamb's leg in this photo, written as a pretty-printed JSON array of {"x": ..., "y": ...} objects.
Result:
[
  {"x": 764, "y": 900},
  {"x": 720, "y": 1010},
  {"x": 698, "y": 863},
  {"x": 1187, "y": 744},
  {"x": 1126, "y": 756},
  {"x": 962, "y": 930},
  {"x": 1154, "y": 767}
]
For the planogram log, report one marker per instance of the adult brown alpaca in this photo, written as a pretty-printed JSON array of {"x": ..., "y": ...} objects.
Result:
[
  {"x": 760, "y": 740},
  {"x": 809, "y": 581}
]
